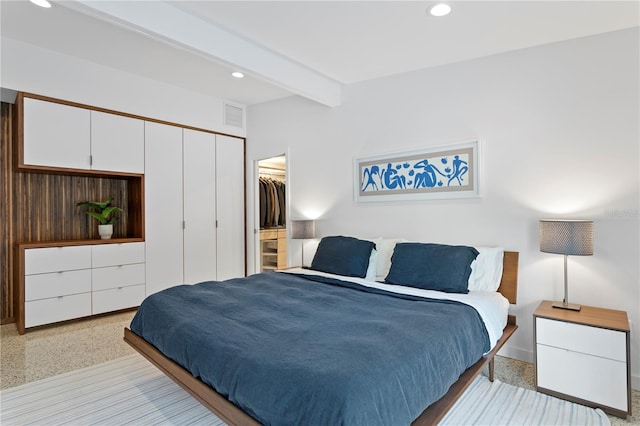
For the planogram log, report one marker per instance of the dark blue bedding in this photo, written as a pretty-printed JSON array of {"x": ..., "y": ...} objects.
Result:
[{"x": 307, "y": 350}]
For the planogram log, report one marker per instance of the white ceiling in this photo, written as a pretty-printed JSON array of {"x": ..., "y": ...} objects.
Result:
[{"x": 310, "y": 48}]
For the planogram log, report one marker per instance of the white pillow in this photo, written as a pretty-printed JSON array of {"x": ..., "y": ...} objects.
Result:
[
  {"x": 371, "y": 269},
  {"x": 486, "y": 269},
  {"x": 385, "y": 248}
]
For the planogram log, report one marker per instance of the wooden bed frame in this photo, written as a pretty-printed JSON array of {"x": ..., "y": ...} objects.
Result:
[{"x": 233, "y": 415}]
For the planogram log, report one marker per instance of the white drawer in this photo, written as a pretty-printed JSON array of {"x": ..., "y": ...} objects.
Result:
[
  {"x": 582, "y": 338},
  {"x": 118, "y": 276},
  {"x": 117, "y": 298},
  {"x": 45, "y": 311},
  {"x": 595, "y": 379},
  {"x": 43, "y": 286},
  {"x": 54, "y": 259},
  {"x": 117, "y": 254}
]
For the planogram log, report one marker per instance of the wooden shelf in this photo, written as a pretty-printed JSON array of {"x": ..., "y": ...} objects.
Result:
[
  {"x": 273, "y": 248},
  {"x": 47, "y": 203}
]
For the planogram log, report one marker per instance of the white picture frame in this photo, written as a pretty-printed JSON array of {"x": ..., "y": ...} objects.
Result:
[{"x": 442, "y": 172}]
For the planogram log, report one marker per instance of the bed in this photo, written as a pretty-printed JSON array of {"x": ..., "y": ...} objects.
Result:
[{"x": 338, "y": 343}]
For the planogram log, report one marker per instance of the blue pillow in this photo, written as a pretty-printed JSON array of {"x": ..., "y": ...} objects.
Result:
[
  {"x": 432, "y": 266},
  {"x": 346, "y": 256}
]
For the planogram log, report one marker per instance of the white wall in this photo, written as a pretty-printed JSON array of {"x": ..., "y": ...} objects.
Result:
[
  {"x": 560, "y": 134},
  {"x": 25, "y": 67}
]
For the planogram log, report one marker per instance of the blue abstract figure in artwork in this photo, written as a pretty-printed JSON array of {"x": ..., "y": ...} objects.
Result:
[
  {"x": 392, "y": 179},
  {"x": 460, "y": 168},
  {"x": 369, "y": 174},
  {"x": 428, "y": 178}
]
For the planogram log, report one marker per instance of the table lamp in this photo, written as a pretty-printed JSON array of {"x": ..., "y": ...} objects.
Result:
[
  {"x": 567, "y": 237},
  {"x": 303, "y": 230}
]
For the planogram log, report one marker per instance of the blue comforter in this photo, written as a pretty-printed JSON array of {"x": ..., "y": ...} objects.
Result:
[{"x": 300, "y": 349}]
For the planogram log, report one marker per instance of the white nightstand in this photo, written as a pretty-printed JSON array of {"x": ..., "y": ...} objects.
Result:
[{"x": 583, "y": 356}]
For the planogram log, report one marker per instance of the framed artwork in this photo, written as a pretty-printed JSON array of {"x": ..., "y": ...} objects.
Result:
[{"x": 432, "y": 173}]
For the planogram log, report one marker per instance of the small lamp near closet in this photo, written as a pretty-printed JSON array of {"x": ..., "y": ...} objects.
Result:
[
  {"x": 303, "y": 230},
  {"x": 567, "y": 237}
]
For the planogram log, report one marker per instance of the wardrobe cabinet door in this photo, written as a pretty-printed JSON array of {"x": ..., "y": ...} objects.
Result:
[
  {"x": 199, "y": 174},
  {"x": 117, "y": 143},
  {"x": 163, "y": 206},
  {"x": 230, "y": 207},
  {"x": 56, "y": 135}
]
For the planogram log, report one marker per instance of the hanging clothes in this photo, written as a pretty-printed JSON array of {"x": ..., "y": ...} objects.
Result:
[{"x": 272, "y": 203}]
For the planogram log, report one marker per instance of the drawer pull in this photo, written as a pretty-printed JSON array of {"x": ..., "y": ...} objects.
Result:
[
  {"x": 60, "y": 297},
  {"x": 61, "y": 272}
]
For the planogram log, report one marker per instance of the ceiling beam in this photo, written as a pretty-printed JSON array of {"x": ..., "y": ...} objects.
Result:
[{"x": 167, "y": 23}]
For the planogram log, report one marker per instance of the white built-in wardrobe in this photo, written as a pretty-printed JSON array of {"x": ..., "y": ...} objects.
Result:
[
  {"x": 194, "y": 206},
  {"x": 182, "y": 191}
]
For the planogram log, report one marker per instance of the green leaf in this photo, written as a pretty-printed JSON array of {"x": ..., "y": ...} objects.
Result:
[
  {"x": 89, "y": 204},
  {"x": 103, "y": 205},
  {"x": 110, "y": 210},
  {"x": 101, "y": 219},
  {"x": 99, "y": 206}
]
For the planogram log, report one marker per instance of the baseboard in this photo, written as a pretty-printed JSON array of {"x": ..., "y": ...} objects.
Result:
[{"x": 516, "y": 353}]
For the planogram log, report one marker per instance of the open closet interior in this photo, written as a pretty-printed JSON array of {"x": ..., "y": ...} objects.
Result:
[{"x": 273, "y": 220}]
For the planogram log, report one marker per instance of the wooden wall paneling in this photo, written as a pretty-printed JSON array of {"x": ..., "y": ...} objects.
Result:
[
  {"x": 7, "y": 314},
  {"x": 47, "y": 206}
]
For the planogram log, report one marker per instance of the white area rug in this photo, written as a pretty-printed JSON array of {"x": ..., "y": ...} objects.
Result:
[
  {"x": 497, "y": 403},
  {"x": 130, "y": 390}
]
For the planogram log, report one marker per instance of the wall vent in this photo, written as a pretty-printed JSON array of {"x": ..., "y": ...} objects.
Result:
[{"x": 233, "y": 115}]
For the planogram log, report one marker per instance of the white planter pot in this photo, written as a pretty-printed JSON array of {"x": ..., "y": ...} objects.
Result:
[{"x": 105, "y": 231}]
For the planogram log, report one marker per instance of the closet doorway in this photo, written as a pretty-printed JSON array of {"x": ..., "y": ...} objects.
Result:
[{"x": 272, "y": 213}]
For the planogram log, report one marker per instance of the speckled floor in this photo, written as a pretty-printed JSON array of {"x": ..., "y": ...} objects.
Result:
[
  {"x": 49, "y": 351},
  {"x": 46, "y": 352}
]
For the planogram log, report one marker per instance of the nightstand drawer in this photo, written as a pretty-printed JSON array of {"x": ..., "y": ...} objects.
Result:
[
  {"x": 117, "y": 254},
  {"x": 582, "y": 376},
  {"x": 582, "y": 338},
  {"x": 117, "y": 298},
  {"x": 118, "y": 276},
  {"x": 44, "y": 286},
  {"x": 45, "y": 311}
]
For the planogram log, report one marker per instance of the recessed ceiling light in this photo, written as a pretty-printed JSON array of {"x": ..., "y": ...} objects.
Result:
[
  {"x": 237, "y": 74},
  {"x": 440, "y": 9},
  {"x": 41, "y": 3}
]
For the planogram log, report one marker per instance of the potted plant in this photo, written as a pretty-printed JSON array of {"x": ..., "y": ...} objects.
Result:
[{"x": 104, "y": 213}]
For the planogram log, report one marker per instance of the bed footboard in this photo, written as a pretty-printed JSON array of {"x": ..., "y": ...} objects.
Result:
[
  {"x": 215, "y": 402},
  {"x": 436, "y": 411},
  {"x": 232, "y": 415}
]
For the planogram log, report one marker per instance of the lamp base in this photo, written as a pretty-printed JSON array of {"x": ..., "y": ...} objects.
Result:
[{"x": 570, "y": 306}]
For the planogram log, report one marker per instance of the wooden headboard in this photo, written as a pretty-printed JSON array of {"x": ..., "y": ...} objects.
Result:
[{"x": 509, "y": 283}]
